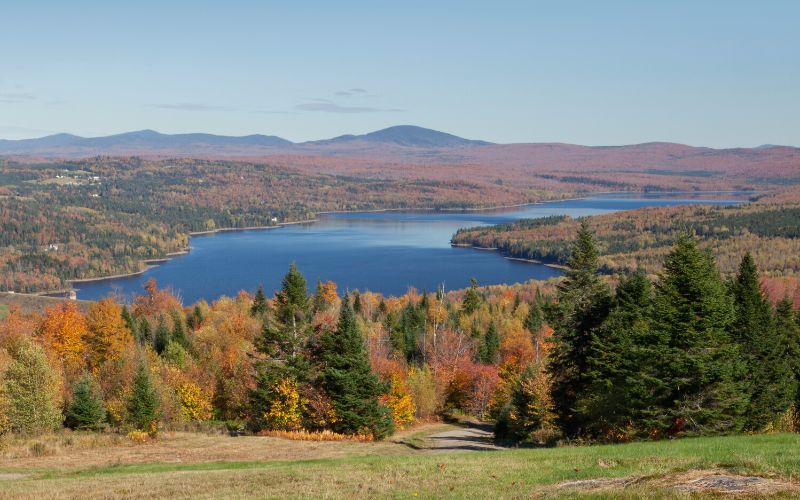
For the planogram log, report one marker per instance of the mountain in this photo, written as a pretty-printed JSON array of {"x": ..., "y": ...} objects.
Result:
[
  {"x": 404, "y": 135},
  {"x": 139, "y": 142}
]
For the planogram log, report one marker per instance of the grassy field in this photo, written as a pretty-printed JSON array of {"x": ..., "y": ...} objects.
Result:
[
  {"x": 3, "y": 311},
  {"x": 200, "y": 466}
]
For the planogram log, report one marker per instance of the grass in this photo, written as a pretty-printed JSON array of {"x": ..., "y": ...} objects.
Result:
[
  {"x": 3, "y": 311},
  {"x": 199, "y": 467}
]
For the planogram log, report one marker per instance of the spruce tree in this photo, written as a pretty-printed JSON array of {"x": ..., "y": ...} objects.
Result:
[
  {"x": 583, "y": 303},
  {"x": 161, "y": 337},
  {"x": 130, "y": 322},
  {"x": 490, "y": 347},
  {"x": 789, "y": 331},
  {"x": 179, "y": 331},
  {"x": 86, "y": 411},
  {"x": 143, "y": 404},
  {"x": 472, "y": 299},
  {"x": 695, "y": 367},
  {"x": 145, "y": 333},
  {"x": 259, "y": 307},
  {"x": 618, "y": 388},
  {"x": 348, "y": 380},
  {"x": 771, "y": 382}
]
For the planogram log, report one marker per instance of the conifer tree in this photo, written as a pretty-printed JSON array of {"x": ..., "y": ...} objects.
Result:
[
  {"x": 259, "y": 307},
  {"x": 179, "y": 331},
  {"x": 143, "y": 403},
  {"x": 348, "y": 380},
  {"x": 472, "y": 299},
  {"x": 583, "y": 303},
  {"x": 145, "y": 334},
  {"x": 128, "y": 319},
  {"x": 490, "y": 347},
  {"x": 789, "y": 331},
  {"x": 769, "y": 375},
  {"x": 618, "y": 387},
  {"x": 86, "y": 411},
  {"x": 161, "y": 336},
  {"x": 695, "y": 367}
]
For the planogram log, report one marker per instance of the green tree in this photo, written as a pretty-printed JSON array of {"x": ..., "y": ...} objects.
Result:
[
  {"x": 31, "y": 391},
  {"x": 86, "y": 411},
  {"x": 161, "y": 337},
  {"x": 696, "y": 369},
  {"x": 583, "y": 304},
  {"x": 179, "y": 331},
  {"x": 529, "y": 409},
  {"x": 143, "y": 403},
  {"x": 472, "y": 299},
  {"x": 145, "y": 333},
  {"x": 769, "y": 375},
  {"x": 490, "y": 347},
  {"x": 348, "y": 380},
  {"x": 618, "y": 388},
  {"x": 789, "y": 329},
  {"x": 259, "y": 307}
]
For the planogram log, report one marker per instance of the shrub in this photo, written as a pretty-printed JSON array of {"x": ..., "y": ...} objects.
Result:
[{"x": 400, "y": 403}]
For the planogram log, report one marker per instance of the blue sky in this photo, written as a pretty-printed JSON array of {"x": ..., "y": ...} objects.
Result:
[{"x": 715, "y": 73}]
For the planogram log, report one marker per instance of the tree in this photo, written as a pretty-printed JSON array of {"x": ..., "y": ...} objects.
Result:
[
  {"x": 348, "y": 380},
  {"x": 178, "y": 330},
  {"x": 63, "y": 329},
  {"x": 771, "y": 382},
  {"x": 32, "y": 391},
  {"x": 259, "y": 307},
  {"x": 491, "y": 345},
  {"x": 86, "y": 411},
  {"x": 583, "y": 304},
  {"x": 618, "y": 388},
  {"x": 472, "y": 299},
  {"x": 143, "y": 403},
  {"x": 695, "y": 368},
  {"x": 161, "y": 337},
  {"x": 789, "y": 330},
  {"x": 107, "y": 335},
  {"x": 530, "y": 407}
]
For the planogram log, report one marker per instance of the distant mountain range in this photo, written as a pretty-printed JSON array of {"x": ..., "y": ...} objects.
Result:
[{"x": 152, "y": 142}]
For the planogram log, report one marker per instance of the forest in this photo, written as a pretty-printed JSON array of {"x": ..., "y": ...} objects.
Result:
[
  {"x": 642, "y": 238},
  {"x": 577, "y": 359}
]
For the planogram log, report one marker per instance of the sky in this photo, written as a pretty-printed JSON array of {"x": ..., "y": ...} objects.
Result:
[{"x": 707, "y": 73}]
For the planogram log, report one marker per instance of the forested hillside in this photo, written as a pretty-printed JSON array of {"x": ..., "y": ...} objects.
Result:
[{"x": 642, "y": 238}]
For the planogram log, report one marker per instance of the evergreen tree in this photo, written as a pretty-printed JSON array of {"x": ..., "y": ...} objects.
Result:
[
  {"x": 695, "y": 368},
  {"x": 472, "y": 299},
  {"x": 86, "y": 410},
  {"x": 143, "y": 404},
  {"x": 161, "y": 337},
  {"x": 348, "y": 380},
  {"x": 259, "y": 307},
  {"x": 490, "y": 347},
  {"x": 771, "y": 382},
  {"x": 618, "y": 388},
  {"x": 583, "y": 304},
  {"x": 179, "y": 331},
  {"x": 145, "y": 334},
  {"x": 195, "y": 318},
  {"x": 789, "y": 330},
  {"x": 534, "y": 321},
  {"x": 357, "y": 302},
  {"x": 130, "y": 322}
]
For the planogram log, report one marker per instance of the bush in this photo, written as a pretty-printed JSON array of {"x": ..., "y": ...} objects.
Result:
[{"x": 422, "y": 387}]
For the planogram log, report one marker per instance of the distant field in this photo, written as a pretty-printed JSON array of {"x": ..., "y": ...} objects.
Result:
[
  {"x": 199, "y": 466},
  {"x": 32, "y": 303}
]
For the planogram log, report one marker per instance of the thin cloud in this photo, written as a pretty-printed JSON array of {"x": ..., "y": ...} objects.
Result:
[
  {"x": 15, "y": 97},
  {"x": 351, "y": 92},
  {"x": 189, "y": 106},
  {"x": 328, "y": 106}
]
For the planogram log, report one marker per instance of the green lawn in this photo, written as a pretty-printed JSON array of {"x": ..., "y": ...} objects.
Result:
[
  {"x": 506, "y": 474},
  {"x": 3, "y": 311}
]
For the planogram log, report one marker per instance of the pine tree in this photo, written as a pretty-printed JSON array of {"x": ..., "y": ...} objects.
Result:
[
  {"x": 195, "y": 318},
  {"x": 583, "y": 304},
  {"x": 179, "y": 331},
  {"x": 771, "y": 382},
  {"x": 143, "y": 404},
  {"x": 789, "y": 331},
  {"x": 259, "y": 307},
  {"x": 472, "y": 299},
  {"x": 490, "y": 347},
  {"x": 618, "y": 388},
  {"x": 86, "y": 410},
  {"x": 161, "y": 337},
  {"x": 695, "y": 368},
  {"x": 145, "y": 334},
  {"x": 534, "y": 321},
  {"x": 357, "y": 302},
  {"x": 32, "y": 392},
  {"x": 348, "y": 380},
  {"x": 128, "y": 319}
]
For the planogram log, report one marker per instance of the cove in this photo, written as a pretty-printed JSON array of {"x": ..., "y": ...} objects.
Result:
[{"x": 384, "y": 252}]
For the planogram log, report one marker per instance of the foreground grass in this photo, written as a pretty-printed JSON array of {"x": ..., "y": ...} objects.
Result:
[{"x": 512, "y": 473}]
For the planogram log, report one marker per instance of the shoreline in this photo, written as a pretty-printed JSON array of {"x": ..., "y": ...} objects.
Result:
[
  {"x": 151, "y": 263},
  {"x": 509, "y": 257}
]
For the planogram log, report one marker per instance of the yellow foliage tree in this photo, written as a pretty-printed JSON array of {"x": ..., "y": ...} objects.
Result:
[
  {"x": 195, "y": 403},
  {"x": 285, "y": 413},
  {"x": 400, "y": 402},
  {"x": 107, "y": 334},
  {"x": 62, "y": 330}
]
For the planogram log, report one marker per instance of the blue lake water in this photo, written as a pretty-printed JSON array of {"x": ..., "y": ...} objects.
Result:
[{"x": 380, "y": 251}]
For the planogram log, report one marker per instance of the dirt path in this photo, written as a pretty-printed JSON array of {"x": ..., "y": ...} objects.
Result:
[{"x": 471, "y": 437}]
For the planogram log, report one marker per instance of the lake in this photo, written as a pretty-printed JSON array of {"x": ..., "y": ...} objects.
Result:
[{"x": 384, "y": 252}]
